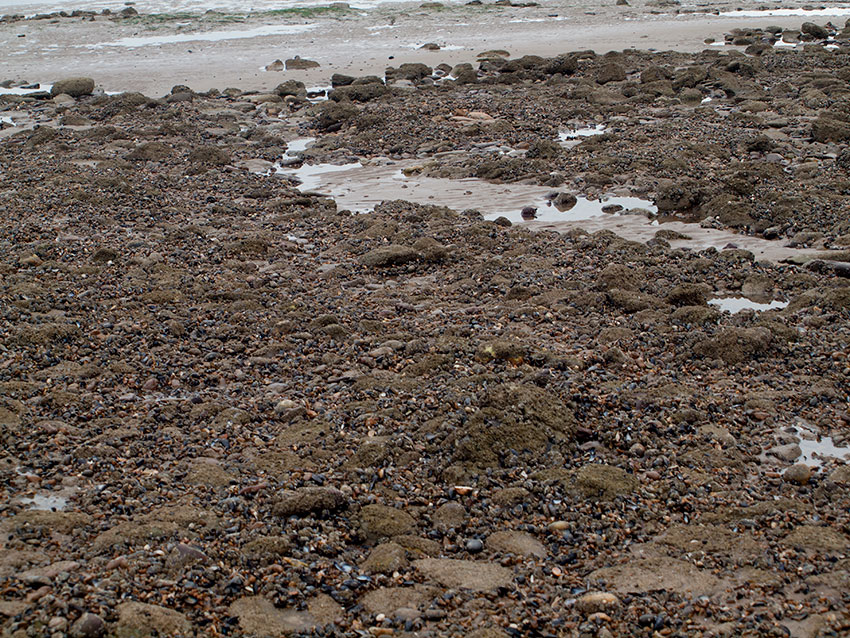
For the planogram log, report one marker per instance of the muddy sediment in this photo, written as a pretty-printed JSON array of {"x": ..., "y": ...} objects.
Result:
[{"x": 230, "y": 405}]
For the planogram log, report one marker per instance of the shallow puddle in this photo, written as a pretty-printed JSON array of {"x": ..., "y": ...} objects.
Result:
[
  {"x": 571, "y": 138},
  {"x": 814, "y": 450},
  {"x": 49, "y": 502},
  {"x": 588, "y": 131},
  {"x": 735, "y": 305},
  {"x": 206, "y": 36},
  {"x": 359, "y": 188}
]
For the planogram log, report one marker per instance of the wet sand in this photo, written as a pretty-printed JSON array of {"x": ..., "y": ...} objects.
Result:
[{"x": 355, "y": 43}]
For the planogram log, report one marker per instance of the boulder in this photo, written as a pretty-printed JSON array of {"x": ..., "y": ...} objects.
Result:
[
  {"x": 688, "y": 295},
  {"x": 392, "y": 255},
  {"x": 386, "y": 558},
  {"x": 815, "y": 30},
  {"x": 450, "y": 516},
  {"x": 604, "y": 481},
  {"x": 332, "y": 116},
  {"x": 381, "y": 521},
  {"x": 610, "y": 72},
  {"x": 75, "y": 87},
  {"x": 358, "y": 92},
  {"x": 291, "y": 87},
  {"x": 300, "y": 64},
  {"x": 408, "y": 71}
]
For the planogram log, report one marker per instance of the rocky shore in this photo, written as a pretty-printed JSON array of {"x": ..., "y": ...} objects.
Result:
[{"x": 229, "y": 406}]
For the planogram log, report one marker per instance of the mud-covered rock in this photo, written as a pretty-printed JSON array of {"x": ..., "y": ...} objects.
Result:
[
  {"x": 735, "y": 345},
  {"x": 309, "y": 500},
  {"x": 75, "y": 87},
  {"x": 382, "y": 521},
  {"x": 392, "y": 255}
]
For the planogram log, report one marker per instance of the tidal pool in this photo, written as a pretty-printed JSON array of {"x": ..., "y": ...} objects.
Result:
[{"x": 735, "y": 305}]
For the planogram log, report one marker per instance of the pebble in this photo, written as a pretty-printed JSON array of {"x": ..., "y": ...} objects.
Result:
[
  {"x": 596, "y": 602},
  {"x": 798, "y": 474},
  {"x": 88, "y": 626},
  {"x": 474, "y": 546}
]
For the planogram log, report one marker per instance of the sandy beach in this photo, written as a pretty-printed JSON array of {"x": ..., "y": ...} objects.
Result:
[
  {"x": 541, "y": 330},
  {"x": 135, "y": 53}
]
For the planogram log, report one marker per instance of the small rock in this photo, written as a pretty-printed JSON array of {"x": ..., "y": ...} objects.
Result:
[
  {"x": 45, "y": 575},
  {"x": 88, "y": 626},
  {"x": 380, "y": 521},
  {"x": 449, "y": 516},
  {"x": 386, "y": 558},
  {"x": 597, "y": 601},
  {"x": 141, "y": 620},
  {"x": 789, "y": 452},
  {"x": 309, "y": 500},
  {"x": 473, "y": 545},
  {"x": 798, "y": 474},
  {"x": 519, "y": 543}
]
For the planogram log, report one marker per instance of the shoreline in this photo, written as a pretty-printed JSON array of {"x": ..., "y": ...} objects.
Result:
[{"x": 352, "y": 45}]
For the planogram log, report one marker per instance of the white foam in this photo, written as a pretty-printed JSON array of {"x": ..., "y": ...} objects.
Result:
[
  {"x": 776, "y": 13},
  {"x": 207, "y": 36},
  {"x": 530, "y": 20},
  {"x": 19, "y": 91},
  {"x": 443, "y": 47}
]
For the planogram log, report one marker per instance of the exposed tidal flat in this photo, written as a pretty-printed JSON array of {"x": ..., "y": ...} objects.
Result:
[{"x": 312, "y": 331}]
